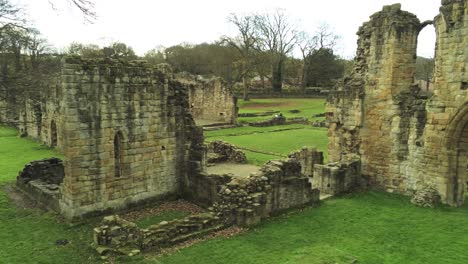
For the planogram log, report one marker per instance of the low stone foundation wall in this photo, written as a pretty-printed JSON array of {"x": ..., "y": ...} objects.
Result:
[
  {"x": 246, "y": 200},
  {"x": 221, "y": 151},
  {"x": 297, "y": 120},
  {"x": 119, "y": 236},
  {"x": 40, "y": 180},
  {"x": 320, "y": 124},
  {"x": 307, "y": 157},
  {"x": 203, "y": 189},
  {"x": 338, "y": 177},
  {"x": 242, "y": 201},
  {"x": 268, "y": 113},
  {"x": 275, "y": 121},
  {"x": 281, "y": 120}
]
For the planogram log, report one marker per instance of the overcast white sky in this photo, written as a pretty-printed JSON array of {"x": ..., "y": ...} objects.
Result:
[{"x": 145, "y": 24}]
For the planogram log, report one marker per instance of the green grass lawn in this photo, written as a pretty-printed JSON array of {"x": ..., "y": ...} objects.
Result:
[
  {"x": 158, "y": 218},
  {"x": 29, "y": 236},
  {"x": 247, "y": 130},
  {"x": 259, "y": 159},
  {"x": 371, "y": 227},
  {"x": 15, "y": 152},
  {"x": 307, "y": 106},
  {"x": 279, "y": 142},
  {"x": 261, "y": 144}
]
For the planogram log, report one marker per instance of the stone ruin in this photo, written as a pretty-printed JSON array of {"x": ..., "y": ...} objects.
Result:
[
  {"x": 233, "y": 201},
  {"x": 427, "y": 196},
  {"x": 405, "y": 141},
  {"x": 211, "y": 100},
  {"x": 41, "y": 181},
  {"x": 129, "y": 138},
  {"x": 221, "y": 151},
  {"x": 124, "y": 128},
  {"x": 277, "y": 120}
]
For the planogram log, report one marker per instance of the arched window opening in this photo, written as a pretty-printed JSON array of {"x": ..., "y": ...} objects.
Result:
[
  {"x": 425, "y": 60},
  {"x": 458, "y": 158},
  {"x": 53, "y": 134},
  {"x": 38, "y": 117},
  {"x": 118, "y": 154},
  {"x": 461, "y": 167}
]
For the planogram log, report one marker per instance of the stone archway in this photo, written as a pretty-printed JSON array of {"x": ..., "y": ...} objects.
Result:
[{"x": 457, "y": 144}]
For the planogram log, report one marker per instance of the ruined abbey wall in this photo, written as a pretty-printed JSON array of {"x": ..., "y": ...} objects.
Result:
[
  {"x": 445, "y": 153},
  {"x": 126, "y": 134},
  {"x": 405, "y": 141},
  {"x": 124, "y": 128},
  {"x": 33, "y": 108},
  {"x": 211, "y": 100}
]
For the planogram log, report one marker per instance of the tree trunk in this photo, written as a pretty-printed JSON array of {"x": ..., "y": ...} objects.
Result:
[
  {"x": 277, "y": 77},
  {"x": 246, "y": 88},
  {"x": 17, "y": 52},
  {"x": 304, "y": 77}
]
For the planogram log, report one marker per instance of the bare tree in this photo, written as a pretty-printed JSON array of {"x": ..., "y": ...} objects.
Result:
[
  {"x": 86, "y": 7},
  {"x": 244, "y": 43},
  {"x": 307, "y": 45},
  {"x": 119, "y": 50},
  {"x": 323, "y": 38},
  {"x": 10, "y": 15},
  {"x": 277, "y": 36},
  {"x": 18, "y": 42},
  {"x": 36, "y": 47}
]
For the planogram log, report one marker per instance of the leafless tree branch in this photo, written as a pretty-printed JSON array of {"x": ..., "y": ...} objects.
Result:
[{"x": 87, "y": 8}]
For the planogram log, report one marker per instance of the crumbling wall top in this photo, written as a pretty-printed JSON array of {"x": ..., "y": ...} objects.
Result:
[
  {"x": 391, "y": 16},
  {"x": 116, "y": 68}
]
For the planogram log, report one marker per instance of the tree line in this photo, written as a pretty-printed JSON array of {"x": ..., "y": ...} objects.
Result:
[{"x": 267, "y": 51}]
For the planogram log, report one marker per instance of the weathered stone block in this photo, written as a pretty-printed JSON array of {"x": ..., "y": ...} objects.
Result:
[{"x": 337, "y": 178}]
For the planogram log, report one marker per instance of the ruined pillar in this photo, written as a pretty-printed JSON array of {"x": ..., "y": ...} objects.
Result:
[
  {"x": 447, "y": 110},
  {"x": 406, "y": 142},
  {"x": 370, "y": 115}
]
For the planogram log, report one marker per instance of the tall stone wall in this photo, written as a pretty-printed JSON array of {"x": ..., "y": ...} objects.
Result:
[
  {"x": 404, "y": 140},
  {"x": 211, "y": 100},
  {"x": 389, "y": 95},
  {"x": 32, "y": 106},
  {"x": 127, "y": 134},
  {"x": 444, "y": 155}
]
